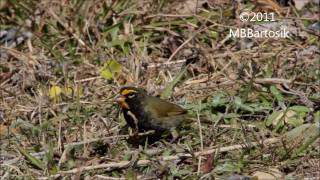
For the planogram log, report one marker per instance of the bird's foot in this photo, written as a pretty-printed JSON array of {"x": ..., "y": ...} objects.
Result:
[{"x": 174, "y": 134}]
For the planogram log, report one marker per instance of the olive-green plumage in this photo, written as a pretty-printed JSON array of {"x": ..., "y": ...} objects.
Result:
[{"x": 143, "y": 112}]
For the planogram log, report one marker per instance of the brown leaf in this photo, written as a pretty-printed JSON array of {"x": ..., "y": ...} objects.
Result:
[
  {"x": 207, "y": 166},
  {"x": 269, "y": 5},
  {"x": 299, "y": 4}
]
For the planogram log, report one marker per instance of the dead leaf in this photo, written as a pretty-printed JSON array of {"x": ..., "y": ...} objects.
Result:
[
  {"x": 186, "y": 6},
  {"x": 269, "y": 5},
  {"x": 299, "y": 4},
  {"x": 207, "y": 166},
  {"x": 273, "y": 173}
]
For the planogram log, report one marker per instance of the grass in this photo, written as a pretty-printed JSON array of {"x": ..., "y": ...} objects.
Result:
[{"x": 58, "y": 118}]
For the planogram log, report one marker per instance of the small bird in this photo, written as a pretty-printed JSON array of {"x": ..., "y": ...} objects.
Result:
[{"x": 143, "y": 112}]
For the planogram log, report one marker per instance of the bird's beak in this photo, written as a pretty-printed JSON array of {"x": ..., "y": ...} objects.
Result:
[{"x": 121, "y": 100}]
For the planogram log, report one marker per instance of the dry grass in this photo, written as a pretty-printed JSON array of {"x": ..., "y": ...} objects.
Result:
[{"x": 238, "y": 83}]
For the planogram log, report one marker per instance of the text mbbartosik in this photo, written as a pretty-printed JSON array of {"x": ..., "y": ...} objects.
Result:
[{"x": 250, "y": 33}]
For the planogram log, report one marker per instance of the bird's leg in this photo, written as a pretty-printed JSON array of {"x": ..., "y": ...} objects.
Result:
[
  {"x": 135, "y": 120},
  {"x": 174, "y": 134},
  {"x": 135, "y": 132}
]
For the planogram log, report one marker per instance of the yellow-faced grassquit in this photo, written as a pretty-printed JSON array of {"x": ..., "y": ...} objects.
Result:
[{"x": 144, "y": 112}]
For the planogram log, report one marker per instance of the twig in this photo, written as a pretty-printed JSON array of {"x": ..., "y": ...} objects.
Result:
[
  {"x": 258, "y": 80},
  {"x": 40, "y": 154},
  {"x": 277, "y": 81},
  {"x": 299, "y": 18},
  {"x": 161, "y": 29},
  {"x": 20, "y": 55},
  {"x": 201, "y": 137},
  {"x": 140, "y": 177},
  {"x": 212, "y": 76},
  {"x": 156, "y": 65},
  {"x": 186, "y": 42},
  {"x": 87, "y": 79},
  {"x": 80, "y": 41},
  {"x": 221, "y": 43},
  {"x": 170, "y": 15},
  {"x": 180, "y": 47},
  {"x": 109, "y": 178},
  {"x": 122, "y": 164}
]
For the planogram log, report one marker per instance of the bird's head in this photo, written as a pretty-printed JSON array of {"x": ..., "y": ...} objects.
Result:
[{"x": 130, "y": 96}]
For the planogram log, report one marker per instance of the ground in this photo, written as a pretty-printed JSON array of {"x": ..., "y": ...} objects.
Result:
[{"x": 63, "y": 62}]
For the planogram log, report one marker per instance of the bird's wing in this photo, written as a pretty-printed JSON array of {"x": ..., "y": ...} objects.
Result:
[{"x": 161, "y": 108}]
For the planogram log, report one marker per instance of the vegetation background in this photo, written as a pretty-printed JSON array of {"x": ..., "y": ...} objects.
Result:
[{"x": 63, "y": 61}]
